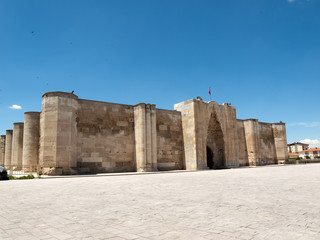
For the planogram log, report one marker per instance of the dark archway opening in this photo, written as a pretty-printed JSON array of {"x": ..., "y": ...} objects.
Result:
[
  {"x": 210, "y": 162},
  {"x": 215, "y": 144}
]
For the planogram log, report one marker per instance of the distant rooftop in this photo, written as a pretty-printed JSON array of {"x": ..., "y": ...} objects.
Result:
[
  {"x": 311, "y": 150},
  {"x": 298, "y": 143}
]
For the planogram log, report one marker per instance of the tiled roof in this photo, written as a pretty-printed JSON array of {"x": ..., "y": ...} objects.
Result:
[
  {"x": 311, "y": 150},
  {"x": 293, "y": 154},
  {"x": 298, "y": 143}
]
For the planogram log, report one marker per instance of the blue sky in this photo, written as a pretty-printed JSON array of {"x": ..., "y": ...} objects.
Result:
[{"x": 261, "y": 56}]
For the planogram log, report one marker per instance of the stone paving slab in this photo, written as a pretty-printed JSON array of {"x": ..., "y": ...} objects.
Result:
[{"x": 278, "y": 202}]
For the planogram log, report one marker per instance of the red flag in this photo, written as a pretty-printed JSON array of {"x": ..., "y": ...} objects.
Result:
[{"x": 210, "y": 91}]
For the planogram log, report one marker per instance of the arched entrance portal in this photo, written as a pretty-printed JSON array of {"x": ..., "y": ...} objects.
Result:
[{"x": 215, "y": 144}]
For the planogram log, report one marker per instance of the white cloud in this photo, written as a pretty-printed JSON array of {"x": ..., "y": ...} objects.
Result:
[
  {"x": 313, "y": 143},
  {"x": 15, "y": 107},
  {"x": 291, "y": 1},
  {"x": 305, "y": 124}
]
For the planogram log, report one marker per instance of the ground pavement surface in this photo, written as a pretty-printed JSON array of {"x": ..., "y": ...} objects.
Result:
[{"x": 273, "y": 202}]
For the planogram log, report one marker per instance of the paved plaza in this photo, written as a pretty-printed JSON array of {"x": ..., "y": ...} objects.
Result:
[{"x": 272, "y": 202}]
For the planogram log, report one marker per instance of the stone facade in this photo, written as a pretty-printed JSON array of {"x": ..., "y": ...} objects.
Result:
[
  {"x": 72, "y": 136},
  {"x": 170, "y": 147},
  {"x": 2, "y": 149},
  {"x": 105, "y": 137},
  {"x": 8, "y": 148}
]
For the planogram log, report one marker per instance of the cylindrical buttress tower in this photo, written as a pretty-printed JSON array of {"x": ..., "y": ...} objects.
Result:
[
  {"x": 8, "y": 149},
  {"x": 31, "y": 133},
  {"x": 17, "y": 145},
  {"x": 2, "y": 149},
  {"x": 58, "y": 133}
]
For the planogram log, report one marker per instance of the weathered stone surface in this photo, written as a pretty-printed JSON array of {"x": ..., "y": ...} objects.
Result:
[
  {"x": 242, "y": 144},
  {"x": 17, "y": 145},
  {"x": 58, "y": 131},
  {"x": 2, "y": 149},
  {"x": 209, "y": 127},
  {"x": 105, "y": 137},
  {"x": 189, "y": 130},
  {"x": 170, "y": 152},
  {"x": 51, "y": 171},
  {"x": 145, "y": 137},
  {"x": 31, "y": 134},
  {"x": 280, "y": 139},
  {"x": 267, "y": 144},
  {"x": 251, "y": 128},
  {"x": 8, "y": 148}
]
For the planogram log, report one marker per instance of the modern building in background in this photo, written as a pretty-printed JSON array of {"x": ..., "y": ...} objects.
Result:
[
  {"x": 311, "y": 153},
  {"x": 297, "y": 147}
]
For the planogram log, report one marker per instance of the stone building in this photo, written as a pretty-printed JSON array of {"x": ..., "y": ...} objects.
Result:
[{"x": 72, "y": 135}]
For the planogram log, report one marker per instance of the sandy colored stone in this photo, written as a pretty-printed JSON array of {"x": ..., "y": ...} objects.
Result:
[
  {"x": 2, "y": 149},
  {"x": 17, "y": 145},
  {"x": 8, "y": 148},
  {"x": 73, "y": 135},
  {"x": 31, "y": 134}
]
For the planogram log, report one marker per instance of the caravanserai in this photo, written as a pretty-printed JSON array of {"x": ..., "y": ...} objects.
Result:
[{"x": 74, "y": 136}]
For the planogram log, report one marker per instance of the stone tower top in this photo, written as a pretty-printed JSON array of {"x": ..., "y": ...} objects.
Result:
[{"x": 60, "y": 94}]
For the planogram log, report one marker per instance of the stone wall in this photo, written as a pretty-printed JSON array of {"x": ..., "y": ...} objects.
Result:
[
  {"x": 145, "y": 137},
  {"x": 261, "y": 142},
  {"x": 280, "y": 140},
  {"x": 187, "y": 110},
  {"x": 229, "y": 124},
  {"x": 170, "y": 152},
  {"x": 242, "y": 147},
  {"x": 105, "y": 137},
  {"x": 267, "y": 145},
  {"x": 252, "y": 134}
]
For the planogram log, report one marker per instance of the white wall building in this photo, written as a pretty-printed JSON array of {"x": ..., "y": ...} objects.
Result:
[
  {"x": 312, "y": 153},
  {"x": 297, "y": 147}
]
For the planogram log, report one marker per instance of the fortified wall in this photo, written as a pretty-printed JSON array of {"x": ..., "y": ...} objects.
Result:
[{"x": 72, "y": 136}]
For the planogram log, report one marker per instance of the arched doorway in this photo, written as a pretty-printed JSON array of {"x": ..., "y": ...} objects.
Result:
[
  {"x": 210, "y": 162},
  {"x": 215, "y": 144}
]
